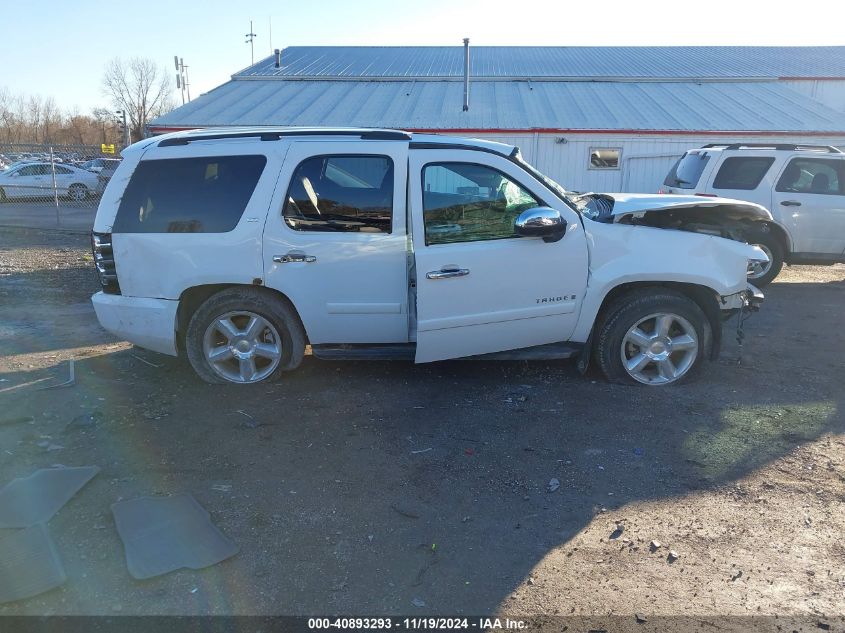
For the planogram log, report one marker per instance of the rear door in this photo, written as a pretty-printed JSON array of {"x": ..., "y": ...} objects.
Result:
[
  {"x": 810, "y": 197},
  {"x": 479, "y": 287},
  {"x": 748, "y": 176},
  {"x": 335, "y": 240}
]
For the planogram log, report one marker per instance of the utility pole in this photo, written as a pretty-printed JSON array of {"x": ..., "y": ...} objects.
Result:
[
  {"x": 182, "y": 83},
  {"x": 249, "y": 40}
]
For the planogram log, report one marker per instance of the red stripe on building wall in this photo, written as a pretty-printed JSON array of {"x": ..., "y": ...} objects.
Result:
[{"x": 466, "y": 131}]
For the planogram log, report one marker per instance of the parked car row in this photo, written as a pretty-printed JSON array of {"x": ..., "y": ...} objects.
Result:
[{"x": 803, "y": 186}]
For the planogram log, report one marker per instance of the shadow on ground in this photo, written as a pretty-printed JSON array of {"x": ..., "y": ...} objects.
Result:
[{"x": 374, "y": 487}]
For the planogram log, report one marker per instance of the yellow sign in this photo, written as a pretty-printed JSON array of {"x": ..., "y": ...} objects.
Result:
[{"x": 107, "y": 149}]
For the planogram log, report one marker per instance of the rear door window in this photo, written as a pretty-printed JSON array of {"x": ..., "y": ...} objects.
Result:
[
  {"x": 742, "y": 172},
  {"x": 813, "y": 175},
  {"x": 687, "y": 171},
  {"x": 341, "y": 194},
  {"x": 188, "y": 195}
]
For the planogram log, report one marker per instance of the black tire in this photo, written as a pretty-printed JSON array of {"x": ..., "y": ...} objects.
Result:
[
  {"x": 628, "y": 310},
  {"x": 274, "y": 308},
  {"x": 770, "y": 242},
  {"x": 83, "y": 192}
]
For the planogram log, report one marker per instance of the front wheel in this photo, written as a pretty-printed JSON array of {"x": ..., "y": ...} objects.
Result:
[
  {"x": 244, "y": 336},
  {"x": 653, "y": 337},
  {"x": 761, "y": 274}
]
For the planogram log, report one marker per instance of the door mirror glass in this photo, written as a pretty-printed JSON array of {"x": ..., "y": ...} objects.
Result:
[{"x": 542, "y": 222}]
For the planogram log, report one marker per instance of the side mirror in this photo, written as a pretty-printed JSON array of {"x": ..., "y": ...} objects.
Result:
[{"x": 541, "y": 222}]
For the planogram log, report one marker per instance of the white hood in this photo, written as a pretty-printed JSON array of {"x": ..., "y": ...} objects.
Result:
[{"x": 632, "y": 204}]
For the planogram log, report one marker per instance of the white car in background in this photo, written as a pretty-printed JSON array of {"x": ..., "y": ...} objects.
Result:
[
  {"x": 35, "y": 180},
  {"x": 802, "y": 185}
]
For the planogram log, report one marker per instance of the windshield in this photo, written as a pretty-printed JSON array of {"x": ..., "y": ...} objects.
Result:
[{"x": 564, "y": 195}]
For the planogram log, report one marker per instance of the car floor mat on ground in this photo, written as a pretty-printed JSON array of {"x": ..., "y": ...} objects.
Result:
[
  {"x": 29, "y": 564},
  {"x": 163, "y": 534},
  {"x": 35, "y": 499}
]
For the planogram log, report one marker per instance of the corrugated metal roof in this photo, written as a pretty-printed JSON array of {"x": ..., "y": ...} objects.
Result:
[
  {"x": 510, "y": 105},
  {"x": 555, "y": 61}
]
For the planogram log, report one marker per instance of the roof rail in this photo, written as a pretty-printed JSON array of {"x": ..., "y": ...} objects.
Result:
[
  {"x": 374, "y": 135},
  {"x": 787, "y": 147}
]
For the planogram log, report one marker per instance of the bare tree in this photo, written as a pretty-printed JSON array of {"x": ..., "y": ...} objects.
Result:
[{"x": 140, "y": 88}]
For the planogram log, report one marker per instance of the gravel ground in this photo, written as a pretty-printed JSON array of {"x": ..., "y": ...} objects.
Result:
[{"x": 389, "y": 488}]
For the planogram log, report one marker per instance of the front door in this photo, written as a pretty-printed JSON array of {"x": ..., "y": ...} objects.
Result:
[
  {"x": 810, "y": 198},
  {"x": 335, "y": 240},
  {"x": 480, "y": 287}
]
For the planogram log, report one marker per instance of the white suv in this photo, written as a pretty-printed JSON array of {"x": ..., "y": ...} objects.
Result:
[
  {"x": 238, "y": 247},
  {"x": 802, "y": 185}
]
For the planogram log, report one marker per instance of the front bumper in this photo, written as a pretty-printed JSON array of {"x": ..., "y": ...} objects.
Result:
[
  {"x": 751, "y": 298},
  {"x": 148, "y": 323}
]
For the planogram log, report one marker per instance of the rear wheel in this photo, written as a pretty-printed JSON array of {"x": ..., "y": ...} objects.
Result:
[
  {"x": 244, "y": 336},
  {"x": 761, "y": 274},
  {"x": 77, "y": 192},
  {"x": 653, "y": 337}
]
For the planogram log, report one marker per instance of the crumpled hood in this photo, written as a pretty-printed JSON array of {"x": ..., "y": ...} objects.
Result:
[{"x": 627, "y": 205}]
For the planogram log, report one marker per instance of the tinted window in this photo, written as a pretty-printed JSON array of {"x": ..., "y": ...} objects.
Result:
[
  {"x": 687, "y": 171},
  {"x": 604, "y": 158},
  {"x": 463, "y": 202},
  {"x": 742, "y": 172},
  {"x": 188, "y": 195},
  {"x": 809, "y": 175},
  {"x": 341, "y": 194},
  {"x": 63, "y": 170},
  {"x": 31, "y": 170}
]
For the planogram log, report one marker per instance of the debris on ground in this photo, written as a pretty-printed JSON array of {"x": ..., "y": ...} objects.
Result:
[
  {"x": 163, "y": 534},
  {"x": 554, "y": 484},
  {"x": 418, "y": 602},
  {"x": 85, "y": 420},
  {"x": 655, "y": 545},
  {"x": 673, "y": 556},
  {"x": 405, "y": 513},
  {"x": 35, "y": 499}
]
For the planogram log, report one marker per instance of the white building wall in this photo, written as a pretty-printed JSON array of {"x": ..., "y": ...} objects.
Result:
[{"x": 645, "y": 159}]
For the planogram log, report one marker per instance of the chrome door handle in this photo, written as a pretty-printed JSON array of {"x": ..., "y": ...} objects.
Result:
[
  {"x": 294, "y": 257},
  {"x": 447, "y": 273},
  {"x": 790, "y": 203}
]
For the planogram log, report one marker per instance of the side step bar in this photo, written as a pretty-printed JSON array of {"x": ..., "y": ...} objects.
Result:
[{"x": 406, "y": 351}]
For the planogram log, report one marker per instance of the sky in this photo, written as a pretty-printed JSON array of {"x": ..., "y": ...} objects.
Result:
[{"x": 60, "y": 49}]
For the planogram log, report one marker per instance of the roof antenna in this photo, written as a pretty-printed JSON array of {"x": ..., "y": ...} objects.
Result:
[{"x": 466, "y": 74}]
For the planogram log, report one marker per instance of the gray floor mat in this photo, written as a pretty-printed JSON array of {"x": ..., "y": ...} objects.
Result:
[
  {"x": 163, "y": 534},
  {"x": 35, "y": 499},
  {"x": 29, "y": 564}
]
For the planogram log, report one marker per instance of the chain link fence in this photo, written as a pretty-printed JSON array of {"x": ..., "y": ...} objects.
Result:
[{"x": 43, "y": 186}]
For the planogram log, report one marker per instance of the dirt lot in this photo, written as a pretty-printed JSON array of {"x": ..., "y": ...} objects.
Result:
[{"x": 379, "y": 488}]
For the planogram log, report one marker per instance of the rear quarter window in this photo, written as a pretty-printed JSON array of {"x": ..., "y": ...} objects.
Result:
[
  {"x": 188, "y": 195},
  {"x": 742, "y": 172},
  {"x": 687, "y": 171}
]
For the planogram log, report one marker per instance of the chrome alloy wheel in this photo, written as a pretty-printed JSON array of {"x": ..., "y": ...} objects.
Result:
[
  {"x": 242, "y": 347},
  {"x": 659, "y": 349},
  {"x": 760, "y": 269}
]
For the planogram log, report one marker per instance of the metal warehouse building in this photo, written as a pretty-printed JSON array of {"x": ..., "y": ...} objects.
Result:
[{"x": 593, "y": 118}]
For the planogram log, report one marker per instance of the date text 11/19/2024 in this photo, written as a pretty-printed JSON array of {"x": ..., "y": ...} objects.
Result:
[{"x": 414, "y": 624}]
